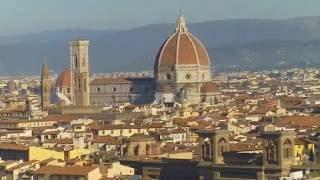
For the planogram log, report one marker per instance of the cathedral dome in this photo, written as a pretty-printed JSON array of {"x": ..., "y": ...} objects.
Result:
[
  {"x": 181, "y": 48},
  {"x": 64, "y": 79},
  {"x": 209, "y": 87}
]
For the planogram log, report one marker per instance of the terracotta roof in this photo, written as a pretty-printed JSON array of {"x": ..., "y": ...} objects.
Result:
[
  {"x": 64, "y": 79},
  {"x": 8, "y": 146},
  {"x": 22, "y": 165},
  {"x": 106, "y": 139},
  {"x": 300, "y": 141},
  {"x": 243, "y": 147},
  {"x": 209, "y": 87},
  {"x": 60, "y": 141},
  {"x": 70, "y": 170},
  {"x": 24, "y": 121},
  {"x": 118, "y": 126},
  {"x": 182, "y": 48},
  {"x": 299, "y": 121},
  {"x": 51, "y": 132}
]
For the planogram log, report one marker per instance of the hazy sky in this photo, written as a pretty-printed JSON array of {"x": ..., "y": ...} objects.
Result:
[{"x": 24, "y": 16}]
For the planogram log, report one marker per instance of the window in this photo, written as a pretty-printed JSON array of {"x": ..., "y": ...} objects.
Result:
[
  {"x": 114, "y": 89},
  {"x": 68, "y": 90},
  {"x": 98, "y": 89},
  {"x": 168, "y": 76},
  {"x": 287, "y": 149},
  {"x": 221, "y": 146},
  {"x": 85, "y": 84},
  {"x": 131, "y": 89},
  {"x": 75, "y": 61},
  {"x": 188, "y": 76}
]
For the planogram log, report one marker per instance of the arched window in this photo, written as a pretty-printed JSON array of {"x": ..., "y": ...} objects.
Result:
[
  {"x": 206, "y": 148},
  {"x": 203, "y": 98},
  {"x": 85, "y": 84},
  {"x": 79, "y": 83},
  {"x": 75, "y": 61},
  {"x": 222, "y": 146},
  {"x": 147, "y": 149},
  {"x": 136, "y": 150},
  {"x": 287, "y": 149}
]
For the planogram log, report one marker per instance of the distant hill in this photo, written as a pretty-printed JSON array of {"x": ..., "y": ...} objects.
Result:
[{"x": 232, "y": 44}]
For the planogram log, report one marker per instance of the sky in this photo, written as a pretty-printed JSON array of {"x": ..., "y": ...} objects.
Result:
[{"x": 26, "y": 16}]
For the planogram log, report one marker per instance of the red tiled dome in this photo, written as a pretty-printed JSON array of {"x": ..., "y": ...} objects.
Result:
[
  {"x": 209, "y": 87},
  {"x": 64, "y": 79},
  {"x": 182, "y": 48}
]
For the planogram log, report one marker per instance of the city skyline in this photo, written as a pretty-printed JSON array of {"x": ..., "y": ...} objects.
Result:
[{"x": 19, "y": 17}]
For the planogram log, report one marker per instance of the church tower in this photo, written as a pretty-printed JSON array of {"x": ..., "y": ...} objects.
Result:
[
  {"x": 79, "y": 57},
  {"x": 45, "y": 87}
]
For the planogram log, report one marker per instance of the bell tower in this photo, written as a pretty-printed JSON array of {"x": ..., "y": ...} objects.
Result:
[
  {"x": 45, "y": 87},
  {"x": 79, "y": 56},
  {"x": 278, "y": 151},
  {"x": 213, "y": 144}
]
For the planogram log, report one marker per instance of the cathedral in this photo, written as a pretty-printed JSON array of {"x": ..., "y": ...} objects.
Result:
[
  {"x": 72, "y": 85},
  {"x": 182, "y": 69},
  {"x": 182, "y": 74}
]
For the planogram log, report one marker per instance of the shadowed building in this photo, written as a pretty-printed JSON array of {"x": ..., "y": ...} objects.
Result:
[
  {"x": 122, "y": 90},
  {"x": 218, "y": 162}
]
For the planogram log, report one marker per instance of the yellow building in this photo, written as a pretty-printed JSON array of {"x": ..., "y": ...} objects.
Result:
[
  {"x": 188, "y": 112},
  {"x": 40, "y": 153},
  {"x": 12, "y": 124},
  {"x": 303, "y": 151},
  {"x": 121, "y": 130},
  {"x": 69, "y": 172}
]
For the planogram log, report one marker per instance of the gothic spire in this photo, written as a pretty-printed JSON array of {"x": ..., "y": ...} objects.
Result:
[{"x": 45, "y": 69}]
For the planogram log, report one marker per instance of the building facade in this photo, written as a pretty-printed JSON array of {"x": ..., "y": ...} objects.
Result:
[
  {"x": 122, "y": 90},
  {"x": 182, "y": 73},
  {"x": 218, "y": 162}
]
